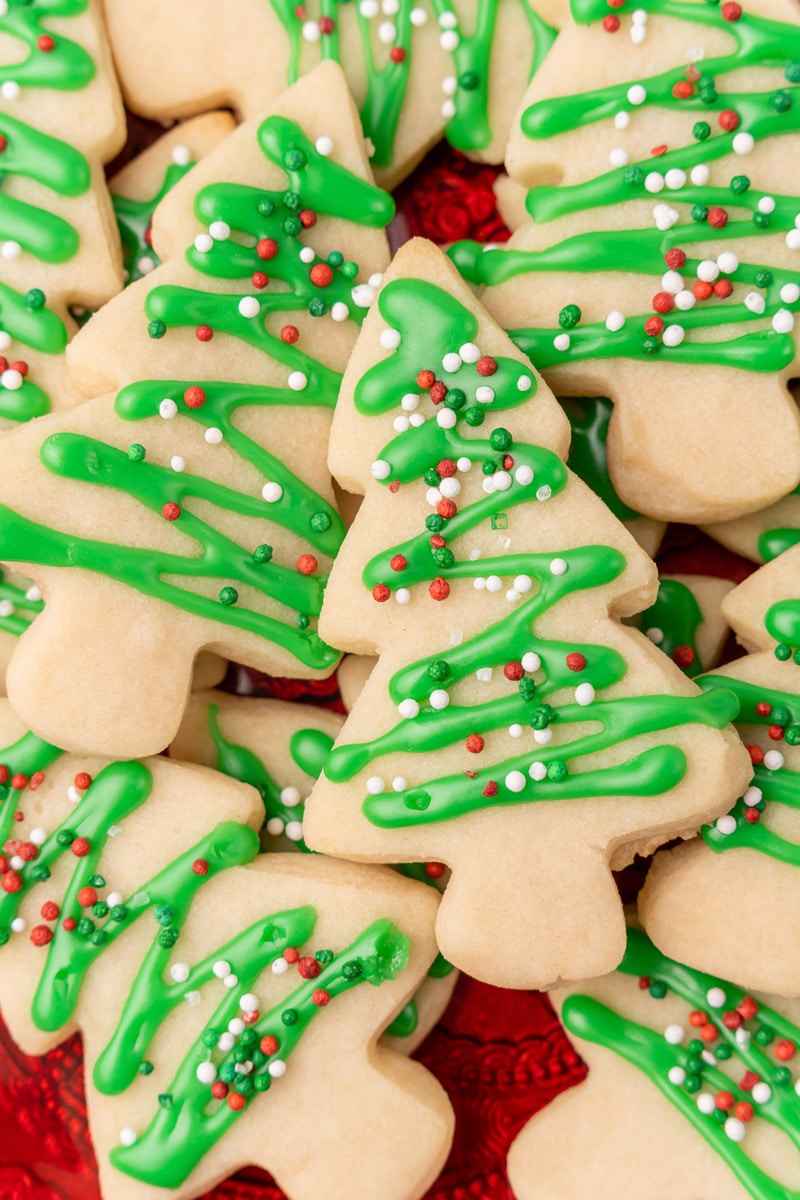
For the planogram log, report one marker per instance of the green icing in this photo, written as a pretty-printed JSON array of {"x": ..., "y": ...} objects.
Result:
[
  {"x": 773, "y": 542},
  {"x": 468, "y": 128},
  {"x": 317, "y": 187},
  {"x": 23, "y": 607},
  {"x": 652, "y": 1054},
  {"x": 406, "y": 1021},
  {"x": 755, "y": 42},
  {"x": 189, "y": 1125},
  {"x": 677, "y": 615},
  {"x": 589, "y": 419},
  {"x": 775, "y": 787},
  {"x": 134, "y": 218},
  {"x": 429, "y": 322}
]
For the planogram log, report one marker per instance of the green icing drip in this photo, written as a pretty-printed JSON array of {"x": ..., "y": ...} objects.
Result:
[
  {"x": 316, "y": 185},
  {"x": 757, "y": 43},
  {"x": 649, "y": 1051},
  {"x": 776, "y": 787},
  {"x": 23, "y": 610},
  {"x": 589, "y": 419},
  {"x": 468, "y": 128},
  {"x": 406, "y": 1021},
  {"x": 134, "y": 218},
  {"x": 677, "y": 614},
  {"x": 773, "y": 542},
  {"x": 189, "y": 1126},
  {"x": 430, "y": 321}
]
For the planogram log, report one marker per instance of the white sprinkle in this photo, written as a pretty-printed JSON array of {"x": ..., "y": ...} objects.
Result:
[
  {"x": 501, "y": 481},
  {"x": 206, "y": 1072},
  {"x": 735, "y": 1129},
  {"x": 451, "y": 363},
  {"x": 544, "y": 492},
  {"x": 220, "y": 231},
  {"x": 310, "y": 31},
  {"x": 369, "y": 9},
  {"x": 676, "y": 1075},
  {"x": 324, "y": 146},
  {"x": 10, "y": 90},
  {"x": 448, "y": 20},
  {"x": 524, "y": 383},
  {"x": 685, "y": 300},
  {"x": 340, "y": 311},
  {"x": 277, "y": 1068},
  {"x": 362, "y": 295},
  {"x": 480, "y": 585},
  {"x": 230, "y": 981},
  {"x": 450, "y": 487},
  {"x": 290, "y": 796},
  {"x": 494, "y": 584},
  {"x": 672, "y": 282},
  {"x": 272, "y": 492},
  {"x": 665, "y": 217},
  {"x": 213, "y": 435},
  {"x": 409, "y": 402},
  {"x": 700, "y": 175},
  {"x": 674, "y": 1034},
  {"x": 307, "y": 254},
  {"x": 5, "y": 341},
  {"x": 673, "y": 335},
  {"x": 715, "y": 997},
  {"x": 221, "y": 968},
  {"x": 707, "y": 270},
  {"x": 622, "y": 120},
  {"x": 16, "y": 862},
  {"x": 558, "y": 566},
  {"x": 584, "y": 694},
  {"x": 390, "y": 339},
  {"x": 743, "y": 1038},
  {"x": 380, "y": 469},
  {"x": 761, "y": 1093},
  {"x": 297, "y": 381},
  {"x": 752, "y": 795},
  {"x": 449, "y": 85},
  {"x": 375, "y": 784},
  {"x": 531, "y": 661},
  {"x": 773, "y": 760},
  {"x": 654, "y": 182},
  {"x": 484, "y": 394},
  {"x": 515, "y": 731},
  {"x": 177, "y": 463},
  {"x": 562, "y": 341},
  {"x": 523, "y": 583},
  {"x": 793, "y": 239},
  {"x": 248, "y": 1002},
  {"x": 127, "y": 1136},
  {"x": 515, "y": 781},
  {"x": 449, "y": 40},
  {"x": 728, "y": 262},
  {"x": 433, "y": 496},
  {"x": 638, "y": 34},
  {"x": 18, "y": 925},
  {"x": 542, "y": 736},
  {"x": 783, "y": 321},
  {"x": 637, "y": 94},
  {"x": 203, "y": 243},
  {"x": 7, "y": 610},
  {"x": 484, "y": 674},
  {"x": 706, "y": 1103},
  {"x": 114, "y": 831},
  {"x": 419, "y": 16},
  {"x": 387, "y": 31},
  {"x": 726, "y": 825},
  {"x": 145, "y": 264},
  {"x": 614, "y": 321},
  {"x": 11, "y": 379},
  {"x": 280, "y": 966},
  {"x": 619, "y": 157},
  {"x": 446, "y": 418},
  {"x": 399, "y": 783},
  {"x": 181, "y": 156},
  {"x": 524, "y": 475},
  {"x": 766, "y": 205},
  {"x": 469, "y": 352},
  {"x": 179, "y": 971},
  {"x": 408, "y": 708},
  {"x": 790, "y": 293},
  {"x": 675, "y": 178},
  {"x": 113, "y": 898},
  {"x": 439, "y": 699},
  {"x": 464, "y": 464},
  {"x": 755, "y": 302},
  {"x": 537, "y": 771},
  {"x": 402, "y": 596},
  {"x": 249, "y": 307},
  {"x": 743, "y": 143}
]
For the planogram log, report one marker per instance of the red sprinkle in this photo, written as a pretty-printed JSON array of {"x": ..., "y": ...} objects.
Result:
[
  {"x": 45, "y": 43},
  {"x": 723, "y": 288},
  {"x": 426, "y": 379},
  {"x": 776, "y": 732},
  {"x": 728, "y": 120},
  {"x": 269, "y": 1044},
  {"x": 28, "y": 851},
  {"x": 698, "y": 1018},
  {"x": 785, "y": 1050},
  {"x": 69, "y": 923},
  {"x": 398, "y": 562},
  {"x": 752, "y": 816},
  {"x": 219, "y": 1090},
  {"x": 81, "y": 847},
  {"x": 763, "y": 708},
  {"x": 20, "y": 782},
  {"x": 654, "y": 326},
  {"x": 756, "y": 755},
  {"x": 491, "y": 789},
  {"x": 513, "y": 670},
  {"x": 486, "y": 365},
  {"x": 82, "y": 781},
  {"x": 87, "y": 896},
  {"x": 50, "y": 910},
  {"x": 236, "y": 1101},
  {"x": 749, "y": 1081},
  {"x": 204, "y": 333},
  {"x": 658, "y": 150},
  {"x": 617, "y": 4},
  {"x": 5, "y": 774},
  {"x": 3, "y": 143},
  {"x": 326, "y": 25},
  {"x": 291, "y": 954},
  {"x": 709, "y": 1033},
  {"x": 11, "y": 881},
  {"x": 717, "y": 217},
  {"x": 397, "y": 54},
  {"x": 446, "y": 468},
  {"x": 675, "y": 259},
  {"x": 663, "y": 302},
  {"x": 437, "y": 541},
  {"x": 475, "y": 743},
  {"x": 171, "y": 511},
  {"x": 731, "y": 12},
  {"x": 199, "y": 867},
  {"x": 308, "y": 219},
  {"x": 21, "y": 366},
  {"x": 644, "y": 984},
  {"x": 732, "y": 1020},
  {"x": 267, "y": 248},
  {"x": 320, "y": 997},
  {"x": 611, "y": 23},
  {"x": 438, "y": 393},
  {"x": 703, "y": 290},
  {"x": 439, "y": 589},
  {"x": 743, "y": 1111},
  {"x": 321, "y": 275},
  {"x": 682, "y": 90},
  {"x": 381, "y": 593},
  {"x": 290, "y": 334},
  {"x": 259, "y": 279},
  {"x": 194, "y": 396},
  {"x": 575, "y": 661},
  {"x": 748, "y": 1008},
  {"x": 308, "y": 967},
  {"x": 725, "y": 1100},
  {"x": 435, "y": 870},
  {"x": 250, "y": 1018},
  {"x": 307, "y": 564},
  {"x": 447, "y": 509},
  {"x": 683, "y": 656},
  {"x": 41, "y": 935}
]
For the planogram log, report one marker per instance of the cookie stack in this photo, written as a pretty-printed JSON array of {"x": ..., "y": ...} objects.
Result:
[{"x": 509, "y": 429}]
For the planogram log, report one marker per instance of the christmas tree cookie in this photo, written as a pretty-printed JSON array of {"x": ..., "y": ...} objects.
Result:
[
  {"x": 418, "y": 71},
  {"x": 280, "y": 749},
  {"x": 513, "y": 728},
  {"x": 662, "y": 264},
  {"x": 135, "y": 907},
  {"x": 61, "y": 119},
  {"x": 692, "y": 1091},
  {"x": 190, "y": 506},
  {"x": 692, "y": 901}
]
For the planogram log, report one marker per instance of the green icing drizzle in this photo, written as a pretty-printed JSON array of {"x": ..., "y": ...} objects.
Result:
[
  {"x": 677, "y": 615},
  {"x": 755, "y": 42},
  {"x": 269, "y": 221},
  {"x": 780, "y": 786},
  {"x": 428, "y": 322},
  {"x": 18, "y": 607},
  {"x": 652, "y": 1054},
  {"x": 134, "y": 218},
  {"x": 49, "y": 161},
  {"x": 589, "y": 419},
  {"x": 188, "y": 1126},
  {"x": 467, "y": 127}
]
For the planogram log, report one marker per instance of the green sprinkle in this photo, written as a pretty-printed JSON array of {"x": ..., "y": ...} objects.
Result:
[
  {"x": 701, "y": 130},
  {"x": 782, "y": 1076},
  {"x": 740, "y": 184},
  {"x": 290, "y": 1016},
  {"x": 163, "y": 914},
  {"x": 696, "y": 1047},
  {"x": 782, "y": 653},
  {"x": 261, "y": 1082},
  {"x": 723, "y": 1051},
  {"x": 292, "y": 201},
  {"x": 418, "y": 801},
  {"x": 488, "y": 467},
  {"x": 303, "y": 620},
  {"x": 100, "y": 909},
  {"x": 351, "y": 970},
  {"x": 500, "y": 439},
  {"x": 227, "y": 1072},
  {"x": 780, "y": 715},
  {"x": 792, "y": 72},
  {"x": 761, "y": 220},
  {"x": 292, "y": 226},
  {"x": 243, "y": 1085},
  {"x": 658, "y": 989},
  {"x": 40, "y": 873},
  {"x": 66, "y": 837},
  {"x": 263, "y": 553},
  {"x": 469, "y": 80},
  {"x": 229, "y": 595},
  {"x": 434, "y": 523},
  {"x": 99, "y": 937},
  {"x": 319, "y": 522},
  {"x": 541, "y": 716},
  {"x": 557, "y": 770},
  {"x": 455, "y": 399},
  {"x": 167, "y": 938},
  {"x": 763, "y": 279},
  {"x": 432, "y": 477},
  {"x": 792, "y": 735},
  {"x": 294, "y": 160},
  {"x": 165, "y": 1100},
  {"x": 781, "y": 101},
  {"x": 763, "y": 1036},
  {"x": 145, "y": 1067},
  {"x": 118, "y": 913},
  {"x": 97, "y": 881},
  {"x": 796, "y": 657},
  {"x": 335, "y": 258},
  {"x": 633, "y": 176},
  {"x": 84, "y": 927},
  {"x": 349, "y": 270},
  {"x": 699, "y": 213},
  {"x": 210, "y": 1038},
  {"x": 248, "y": 1038},
  {"x": 499, "y": 520},
  {"x": 719, "y": 1116},
  {"x": 266, "y": 207},
  {"x": 650, "y": 345},
  {"x": 35, "y": 298},
  {"x": 156, "y": 329},
  {"x": 240, "y": 1054},
  {"x": 317, "y": 306},
  {"x": 569, "y": 316},
  {"x": 4, "y": 937},
  {"x": 527, "y": 689},
  {"x": 692, "y": 1083},
  {"x": 438, "y": 671},
  {"x": 444, "y": 557},
  {"x": 324, "y": 956},
  {"x": 474, "y": 417}
]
